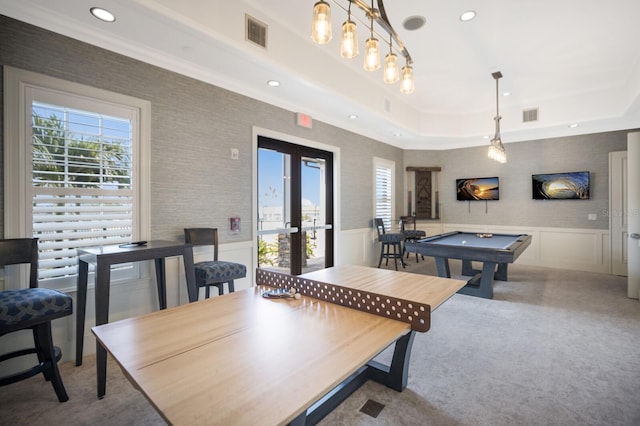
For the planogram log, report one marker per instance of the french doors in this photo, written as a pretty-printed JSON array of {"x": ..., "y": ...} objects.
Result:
[{"x": 295, "y": 207}]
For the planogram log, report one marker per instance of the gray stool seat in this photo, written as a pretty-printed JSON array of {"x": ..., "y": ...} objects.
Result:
[
  {"x": 213, "y": 272},
  {"x": 218, "y": 272},
  {"x": 27, "y": 307}
]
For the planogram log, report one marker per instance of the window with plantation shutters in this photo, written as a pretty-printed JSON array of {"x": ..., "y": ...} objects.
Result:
[
  {"x": 81, "y": 183},
  {"x": 384, "y": 171},
  {"x": 74, "y": 172}
]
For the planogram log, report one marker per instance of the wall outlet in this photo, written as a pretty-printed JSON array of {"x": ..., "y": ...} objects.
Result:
[
  {"x": 235, "y": 154},
  {"x": 592, "y": 216}
]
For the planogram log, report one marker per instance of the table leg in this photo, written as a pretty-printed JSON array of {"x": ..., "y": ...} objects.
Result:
[
  {"x": 394, "y": 376},
  {"x": 161, "y": 282},
  {"x": 442, "y": 263},
  {"x": 501, "y": 273},
  {"x": 467, "y": 268},
  {"x": 103, "y": 283},
  {"x": 485, "y": 289},
  {"x": 81, "y": 308},
  {"x": 190, "y": 274},
  {"x": 486, "y": 282}
]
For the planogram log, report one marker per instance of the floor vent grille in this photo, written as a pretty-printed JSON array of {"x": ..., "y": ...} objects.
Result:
[{"x": 372, "y": 408}]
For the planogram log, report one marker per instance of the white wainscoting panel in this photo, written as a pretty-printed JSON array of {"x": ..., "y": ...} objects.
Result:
[
  {"x": 358, "y": 247},
  {"x": 564, "y": 248}
]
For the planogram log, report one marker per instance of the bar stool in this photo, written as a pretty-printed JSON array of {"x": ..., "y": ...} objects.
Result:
[
  {"x": 390, "y": 245},
  {"x": 411, "y": 235}
]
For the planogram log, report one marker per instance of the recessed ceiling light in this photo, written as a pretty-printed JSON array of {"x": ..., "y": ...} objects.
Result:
[
  {"x": 506, "y": 94},
  {"x": 397, "y": 134},
  {"x": 413, "y": 23},
  {"x": 102, "y": 14},
  {"x": 353, "y": 116},
  {"x": 573, "y": 125},
  {"x": 273, "y": 83},
  {"x": 468, "y": 15}
]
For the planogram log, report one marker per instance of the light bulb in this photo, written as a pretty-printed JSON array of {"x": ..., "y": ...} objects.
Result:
[
  {"x": 372, "y": 55},
  {"x": 349, "y": 42},
  {"x": 321, "y": 27},
  {"x": 407, "y": 85},
  {"x": 391, "y": 72}
]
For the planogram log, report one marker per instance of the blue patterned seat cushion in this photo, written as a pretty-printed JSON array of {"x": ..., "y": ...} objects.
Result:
[
  {"x": 218, "y": 271},
  {"x": 391, "y": 238},
  {"x": 414, "y": 234},
  {"x": 25, "y": 307}
]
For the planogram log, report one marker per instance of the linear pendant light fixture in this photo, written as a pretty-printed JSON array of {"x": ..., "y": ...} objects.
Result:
[
  {"x": 321, "y": 34},
  {"x": 496, "y": 149}
]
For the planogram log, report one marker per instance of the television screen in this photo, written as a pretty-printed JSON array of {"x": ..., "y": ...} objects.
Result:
[
  {"x": 560, "y": 186},
  {"x": 478, "y": 189}
]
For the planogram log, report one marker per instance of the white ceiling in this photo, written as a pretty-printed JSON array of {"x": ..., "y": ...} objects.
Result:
[{"x": 578, "y": 61}]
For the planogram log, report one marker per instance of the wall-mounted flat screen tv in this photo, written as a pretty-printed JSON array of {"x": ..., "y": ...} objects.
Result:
[
  {"x": 561, "y": 186},
  {"x": 478, "y": 189}
]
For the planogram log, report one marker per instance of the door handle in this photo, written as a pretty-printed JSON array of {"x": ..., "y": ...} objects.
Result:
[{"x": 635, "y": 236}]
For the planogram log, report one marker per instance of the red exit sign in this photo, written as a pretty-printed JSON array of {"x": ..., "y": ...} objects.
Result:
[{"x": 304, "y": 120}]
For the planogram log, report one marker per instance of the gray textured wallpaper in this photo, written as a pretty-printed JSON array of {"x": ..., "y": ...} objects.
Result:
[
  {"x": 516, "y": 206},
  {"x": 194, "y": 125}
]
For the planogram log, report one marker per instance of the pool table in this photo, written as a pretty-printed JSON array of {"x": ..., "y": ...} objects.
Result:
[{"x": 490, "y": 249}]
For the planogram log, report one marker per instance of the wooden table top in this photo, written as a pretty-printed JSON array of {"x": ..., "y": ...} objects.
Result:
[{"x": 244, "y": 359}]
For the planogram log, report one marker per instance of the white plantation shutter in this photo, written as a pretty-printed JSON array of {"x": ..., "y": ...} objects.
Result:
[
  {"x": 64, "y": 220},
  {"x": 384, "y": 191},
  {"x": 82, "y": 185}
]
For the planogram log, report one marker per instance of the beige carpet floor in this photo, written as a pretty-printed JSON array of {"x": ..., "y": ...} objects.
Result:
[{"x": 553, "y": 347}]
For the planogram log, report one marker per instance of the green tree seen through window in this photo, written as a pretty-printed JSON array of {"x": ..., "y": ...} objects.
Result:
[{"x": 61, "y": 158}]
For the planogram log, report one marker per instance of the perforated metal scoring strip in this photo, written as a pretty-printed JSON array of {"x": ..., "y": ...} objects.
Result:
[{"x": 416, "y": 314}]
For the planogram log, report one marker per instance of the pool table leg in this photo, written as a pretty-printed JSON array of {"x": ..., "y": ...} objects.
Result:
[
  {"x": 442, "y": 263},
  {"x": 467, "y": 268},
  {"x": 485, "y": 289},
  {"x": 500, "y": 275}
]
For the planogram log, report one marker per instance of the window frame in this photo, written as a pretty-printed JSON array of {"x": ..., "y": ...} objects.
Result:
[
  {"x": 391, "y": 165},
  {"x": 17, "y": 157}
]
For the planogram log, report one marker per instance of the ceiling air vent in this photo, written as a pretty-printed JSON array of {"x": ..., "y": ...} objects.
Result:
[
  {"x": 529, "y": 115},
  {"x": 256, "y": 31}
]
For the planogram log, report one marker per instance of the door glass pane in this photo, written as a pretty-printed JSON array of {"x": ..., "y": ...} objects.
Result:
[
  {"x": 295, "y": 210},
  {"x": 274, "y": 220},
  {"x": 313, "y": 214}
]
